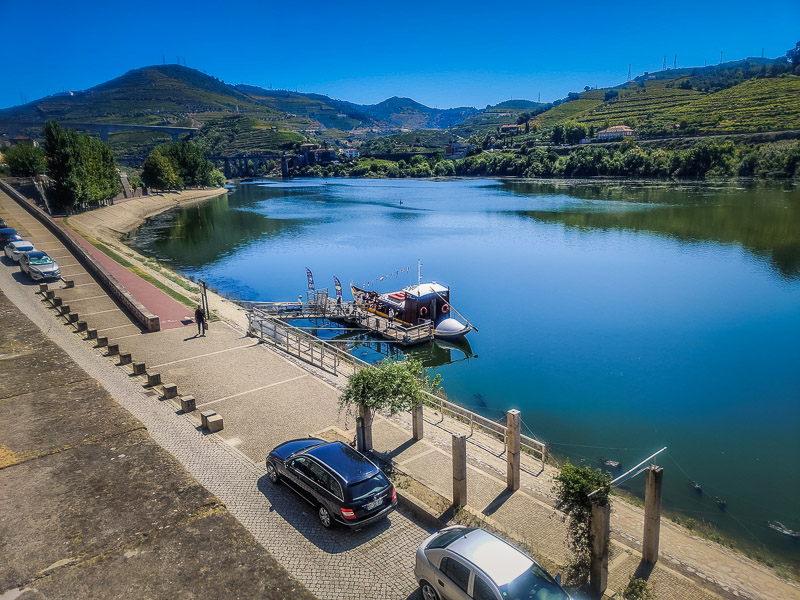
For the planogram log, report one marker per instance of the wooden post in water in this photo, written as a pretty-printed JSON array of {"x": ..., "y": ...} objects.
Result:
[
  {"x": 513, "y": 428},
  {"x": 652, "y": 514}
]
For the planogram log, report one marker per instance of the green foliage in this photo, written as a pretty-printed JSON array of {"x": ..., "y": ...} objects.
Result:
[
  {"x": 25, "y": 160},
  {"x": 177, "y": 165},
  {"x": 82, "y": 169},
  {"x": 638, "y": 589},
  {"x": 159, "y": 173},
  {"x": 389, "y": 387},
  {"x": 572, "y": 488}
]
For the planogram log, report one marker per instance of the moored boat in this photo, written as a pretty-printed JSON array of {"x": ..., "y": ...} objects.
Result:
[{"x": 415, "y": 305}]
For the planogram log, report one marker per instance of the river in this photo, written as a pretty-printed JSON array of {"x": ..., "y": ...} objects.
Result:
[{"x": 619, "y": 317}]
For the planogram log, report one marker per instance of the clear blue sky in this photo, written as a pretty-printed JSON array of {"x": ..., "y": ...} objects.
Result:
[{"x": 441, "y": 54}]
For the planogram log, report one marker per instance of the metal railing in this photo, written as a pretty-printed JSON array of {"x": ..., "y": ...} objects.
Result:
[{"x": 304, "y": 346}]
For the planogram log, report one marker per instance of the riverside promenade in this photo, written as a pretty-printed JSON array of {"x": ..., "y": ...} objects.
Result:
[{"x": 266, "y": 397}]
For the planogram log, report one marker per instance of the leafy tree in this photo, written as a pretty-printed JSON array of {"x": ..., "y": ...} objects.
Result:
[
  {"x": 572, "y": 488},
  {"x": 574, "y": 132},
  {"x": 159, "y": 173},
  {"x": 611, "y": 95},
  {"x": 557, "y": 135},
  {"x": 82, "y": 169},
  {"x": 25, "y": 160}
]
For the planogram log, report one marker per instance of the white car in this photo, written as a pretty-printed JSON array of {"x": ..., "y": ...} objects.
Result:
[
  {"x": 466, "y": 563},
  {"x": 38, "y": 265},
  {"x": 14, "y": 250}
]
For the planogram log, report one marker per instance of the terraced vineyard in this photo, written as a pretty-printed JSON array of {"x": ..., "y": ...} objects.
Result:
[
  {"x": 568, "y": 110},
  {"x": 755, "y": 105}
]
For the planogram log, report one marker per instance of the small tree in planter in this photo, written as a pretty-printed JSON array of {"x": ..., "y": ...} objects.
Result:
[
  {"x": 572, "y": 488},
  {"x": 388, "y": 387}
]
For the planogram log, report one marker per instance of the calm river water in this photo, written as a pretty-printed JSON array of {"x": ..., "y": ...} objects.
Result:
[{"x": 619, "y": 317}]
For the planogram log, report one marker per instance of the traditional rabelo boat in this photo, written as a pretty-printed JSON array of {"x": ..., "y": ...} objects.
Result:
[{"x": 415, "y": 305}]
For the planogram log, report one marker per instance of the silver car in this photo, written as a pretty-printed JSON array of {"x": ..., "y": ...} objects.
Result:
[
  {"x": 14, "y": 250},
  {"x": 466, "y": 563},
  {"x": 38, "y": 265}
]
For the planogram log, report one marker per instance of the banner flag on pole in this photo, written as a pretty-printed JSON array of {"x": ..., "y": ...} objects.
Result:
[
  {"x": 310, "y": 279},
  {"x": 338, "y": 286}
]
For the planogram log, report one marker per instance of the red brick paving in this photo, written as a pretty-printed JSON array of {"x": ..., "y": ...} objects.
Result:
[{"x": 171, "y": 313}]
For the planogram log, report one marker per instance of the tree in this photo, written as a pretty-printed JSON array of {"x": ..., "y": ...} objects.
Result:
[
  {"x": 793, "y": 55},
  {"x": 572, "y": 488},
  {"x": 158, "y": 172},
  {"x": 82, "y": 169},
  {"x": 611, "y": 95},
  {"x": 557, "y": 136},
  {"x": 387, "y": 387},
  {"x": 574, "y": 132},
  {"x": 25, "y": 160}
]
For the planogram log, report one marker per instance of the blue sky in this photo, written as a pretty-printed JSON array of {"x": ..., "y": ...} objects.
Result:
[{"x": 441, "y": 54}]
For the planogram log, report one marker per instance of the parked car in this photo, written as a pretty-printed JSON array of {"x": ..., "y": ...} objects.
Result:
[
  {"x": 38, "y": 265},
  {"x": 3, "y": 224},
  {"x": 8, "y": 235},
  {"x": 14, "y": 250},
  {"x": 342, "y": 484},
  {"x": 467, "y": 563}
]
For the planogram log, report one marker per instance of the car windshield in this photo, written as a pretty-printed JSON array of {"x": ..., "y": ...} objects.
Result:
[
  {"x": 533, "y": 584},
  {"x": 23, "y": 247},
  {"x": 39, "y": 258},
  {"x": 368, "y": 487},
  {"x": 444, "y": 539}
]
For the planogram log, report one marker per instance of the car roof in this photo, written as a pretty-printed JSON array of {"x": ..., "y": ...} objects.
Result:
[
  {"x": 7, "y": 230},
  {"x": 495, "y": 557},
  {"x": 21, "y": 243},
  {"x": 347, "y": 463}
]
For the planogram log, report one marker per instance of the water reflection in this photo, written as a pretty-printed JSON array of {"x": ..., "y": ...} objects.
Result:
[{"x": 764, "y": 221}]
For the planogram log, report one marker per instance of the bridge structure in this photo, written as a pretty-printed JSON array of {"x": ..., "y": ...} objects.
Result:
[
  {"x": 104, "y": 129},
  {"x": 247, "y": 164}
]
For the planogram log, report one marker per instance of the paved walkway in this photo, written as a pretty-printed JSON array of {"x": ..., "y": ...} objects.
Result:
[
  {"x": 266, "y": 398},
  {"x": 171, "y": 313}
]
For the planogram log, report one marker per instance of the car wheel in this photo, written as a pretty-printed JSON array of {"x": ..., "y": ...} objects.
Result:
[
  {"x": 272, "y": 473},
  {"x": 428, "y": 592},
  {"x": 325, "y": 517}
]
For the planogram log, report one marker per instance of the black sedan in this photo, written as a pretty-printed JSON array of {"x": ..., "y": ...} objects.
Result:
[
  {"x": 8, "y": 235},
  {"x": 342, "y": 484}
]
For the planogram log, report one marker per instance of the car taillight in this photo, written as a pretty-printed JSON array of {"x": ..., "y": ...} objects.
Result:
[
  {"x": 348, "y": 513},
  {"x": 394, "y": 494}
]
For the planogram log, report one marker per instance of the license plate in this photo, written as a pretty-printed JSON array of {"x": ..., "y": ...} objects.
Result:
[{"x": 373, "y": 504}]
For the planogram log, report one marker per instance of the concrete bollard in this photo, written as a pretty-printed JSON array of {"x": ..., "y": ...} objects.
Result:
[
  {"x": 138, "y": 368},
  {"x": 153, "y": 379},
  {"x": 652, "y": 514},
  {"x": 72, "y": 317},
  {"x": 82, "y": 325},
  {"x": 188, "y": 404},
  {"x": 125, "y": 358},
  {"x": 459, "y": 470},
  {"x": 598, "y": 561},
  {"x": 64, "y": 309},
  {"x": 69, "y": 283},
  {"x": 43, "y": 287},
  {"x": 113, "y": 349},
  {"x": 417, "y": 422},
  {"x": 170, "y": 391},
  {"x": 102, "y": 341},
  {"x": 214, "y": 424},
  {"x": 49, "y": 294},
  {"x": 57, "y": 301},
  {"x": 204, "y": 416},
  {"x": 513, "y": 429},
  {"x": 91, "y": 334}
]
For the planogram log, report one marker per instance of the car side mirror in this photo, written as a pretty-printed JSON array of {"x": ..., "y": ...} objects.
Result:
[{"x": 558, "y": 579}]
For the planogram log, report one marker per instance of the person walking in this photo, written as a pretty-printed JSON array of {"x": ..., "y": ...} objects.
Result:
[
  {"x": 200, "y": 319},
  {"x": 391, "y": 317}
]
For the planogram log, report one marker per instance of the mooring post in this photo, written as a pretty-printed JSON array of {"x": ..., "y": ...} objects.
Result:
[
  {"x": 601, "y": 531},
  {"x": 417, "y": 421},
  {"x": 459, "y": 469},
  {"x": 513, "y": 427},
  {"x": 652, "y": 514}
]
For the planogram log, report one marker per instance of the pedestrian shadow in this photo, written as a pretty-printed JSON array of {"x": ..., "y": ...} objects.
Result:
[{"x": 303, "y": 517}]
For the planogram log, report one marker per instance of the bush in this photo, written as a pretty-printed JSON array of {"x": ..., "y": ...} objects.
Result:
[
  {"x": 25, "y": 160},
  {"x": 638, "y": 589}
]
